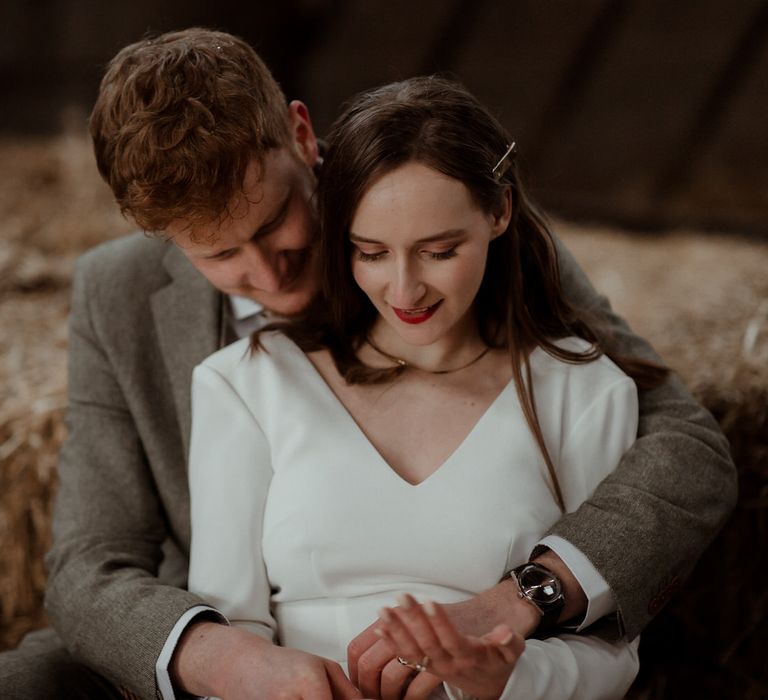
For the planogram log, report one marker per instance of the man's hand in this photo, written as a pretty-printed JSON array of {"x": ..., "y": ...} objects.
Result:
[{"x": 234, "y": 664}]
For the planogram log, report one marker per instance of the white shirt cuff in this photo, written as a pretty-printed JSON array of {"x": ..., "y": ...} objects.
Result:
[
  {"x": 600, "y": 601},
  {"x": 162, "y": 674}
]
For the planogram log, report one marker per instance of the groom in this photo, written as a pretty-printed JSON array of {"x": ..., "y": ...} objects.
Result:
[{"x": 184, "y": 126}]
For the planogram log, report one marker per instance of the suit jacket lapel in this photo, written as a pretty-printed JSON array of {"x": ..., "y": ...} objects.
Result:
[{"x": 188, "y": 319}]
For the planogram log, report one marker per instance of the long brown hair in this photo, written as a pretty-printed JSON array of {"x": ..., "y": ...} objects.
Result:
[{"x": 520, "y": 304}]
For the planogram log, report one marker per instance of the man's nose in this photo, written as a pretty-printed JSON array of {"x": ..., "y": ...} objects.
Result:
[{"x": 261, "y": 270}]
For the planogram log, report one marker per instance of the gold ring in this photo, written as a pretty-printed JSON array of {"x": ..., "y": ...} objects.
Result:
[
  {"x": 419, "y": 667},
  {"x": 402, "y": 661}
]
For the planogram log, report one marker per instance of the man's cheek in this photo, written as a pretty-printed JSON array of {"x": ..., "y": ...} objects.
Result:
[{"x": 218, "y": 278}]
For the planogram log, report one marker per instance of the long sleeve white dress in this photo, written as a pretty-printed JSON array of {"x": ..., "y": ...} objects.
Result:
[{"x": 301, "y": 531}]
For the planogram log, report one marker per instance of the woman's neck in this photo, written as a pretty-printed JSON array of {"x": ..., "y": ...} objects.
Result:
[{"x": 462, "y": 347}]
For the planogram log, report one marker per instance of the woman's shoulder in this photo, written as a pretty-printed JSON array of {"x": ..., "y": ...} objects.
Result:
[
  {"x": 242, "y": 357},
  {"x": 573, "y": 392},
  {"x": 592, "y": 375},
  {"x": 264, "y": 378}
]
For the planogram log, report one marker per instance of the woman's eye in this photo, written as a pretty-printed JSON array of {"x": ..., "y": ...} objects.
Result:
[
  {"x": 368, "y": 257},
  {"x": 443, "y": 254}
]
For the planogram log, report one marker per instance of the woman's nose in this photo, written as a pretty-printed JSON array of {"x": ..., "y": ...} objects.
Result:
[{"x": 407, "y": 289}]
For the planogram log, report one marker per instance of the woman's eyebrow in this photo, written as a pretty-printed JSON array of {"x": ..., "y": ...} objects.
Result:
[
  {"x": 449, "y": 234},
  {"x": 361, "y": 239}
]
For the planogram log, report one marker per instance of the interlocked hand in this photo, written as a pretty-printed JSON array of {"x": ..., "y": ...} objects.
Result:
[{"x": 423, "y": 636}]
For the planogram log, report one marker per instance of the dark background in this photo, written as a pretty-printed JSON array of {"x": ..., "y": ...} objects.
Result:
[{"x": 646, "y": 113}]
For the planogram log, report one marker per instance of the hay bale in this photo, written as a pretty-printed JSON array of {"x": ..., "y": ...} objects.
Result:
[
  {"x": 53, "y": 208},
  {"x": 55, "y": 204},
  {"x": 28, "y": 483},
  {"x": 702, "y": 299},
  {"x": 32, "y": 399}
]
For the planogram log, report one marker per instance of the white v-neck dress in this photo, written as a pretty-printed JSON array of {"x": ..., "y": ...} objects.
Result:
[{"x": 301, "y": 531}]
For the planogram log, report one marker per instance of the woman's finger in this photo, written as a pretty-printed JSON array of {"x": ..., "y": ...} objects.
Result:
[
  {"x": 398, "y": 635},
  {"x": 360, "y": 646},
  {"x": 509, "y": 643},
  {"x": 422, "y": 686},
  {"x": 371, "y": 664},
  {"x": 341, "y": 686},
  {"x": 512, "y": 648},
  {"x": 395, "y": 678},
  {"x": 447, "y": 635},
  {"x": 418, "y": 623}
]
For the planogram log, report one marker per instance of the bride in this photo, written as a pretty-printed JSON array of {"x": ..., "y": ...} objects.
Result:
[{"x": 411, "y": 438}]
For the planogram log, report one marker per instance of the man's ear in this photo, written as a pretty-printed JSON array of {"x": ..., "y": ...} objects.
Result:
[
  {"x": 302, "y": 134},
  {"x": 501, "y": 218}
]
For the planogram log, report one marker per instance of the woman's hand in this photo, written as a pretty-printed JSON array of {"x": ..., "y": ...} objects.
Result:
[
  {"x": 374, "y": 669},
  {"x": 423, "y": 636}
]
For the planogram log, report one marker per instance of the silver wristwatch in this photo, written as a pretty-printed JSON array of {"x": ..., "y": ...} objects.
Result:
[{"x": 542, "y": 588}]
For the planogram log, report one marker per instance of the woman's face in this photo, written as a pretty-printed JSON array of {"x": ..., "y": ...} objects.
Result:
[{"x": 420, "y": 245}]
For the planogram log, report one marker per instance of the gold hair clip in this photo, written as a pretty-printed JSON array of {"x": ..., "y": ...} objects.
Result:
[{"x": 500, "y": 169}]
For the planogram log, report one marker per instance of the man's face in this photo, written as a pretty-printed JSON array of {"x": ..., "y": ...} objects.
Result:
[{"x": 264, "y": 250}]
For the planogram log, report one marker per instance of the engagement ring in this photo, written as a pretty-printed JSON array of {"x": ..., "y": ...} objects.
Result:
[{"x": 421, "y": 666}]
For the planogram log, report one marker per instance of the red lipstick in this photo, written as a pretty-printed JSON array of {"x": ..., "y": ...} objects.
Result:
[{"x": 417, "y": 315}]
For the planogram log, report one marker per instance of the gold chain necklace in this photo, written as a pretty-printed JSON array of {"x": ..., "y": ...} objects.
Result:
[{"x": 403, "y": 363}]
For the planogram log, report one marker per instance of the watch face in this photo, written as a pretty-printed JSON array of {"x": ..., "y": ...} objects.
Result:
[{"x": 540, "y": 585}]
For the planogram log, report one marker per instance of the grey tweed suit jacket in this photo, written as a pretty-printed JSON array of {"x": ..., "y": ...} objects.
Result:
[{"x": 142, "y": 318}]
